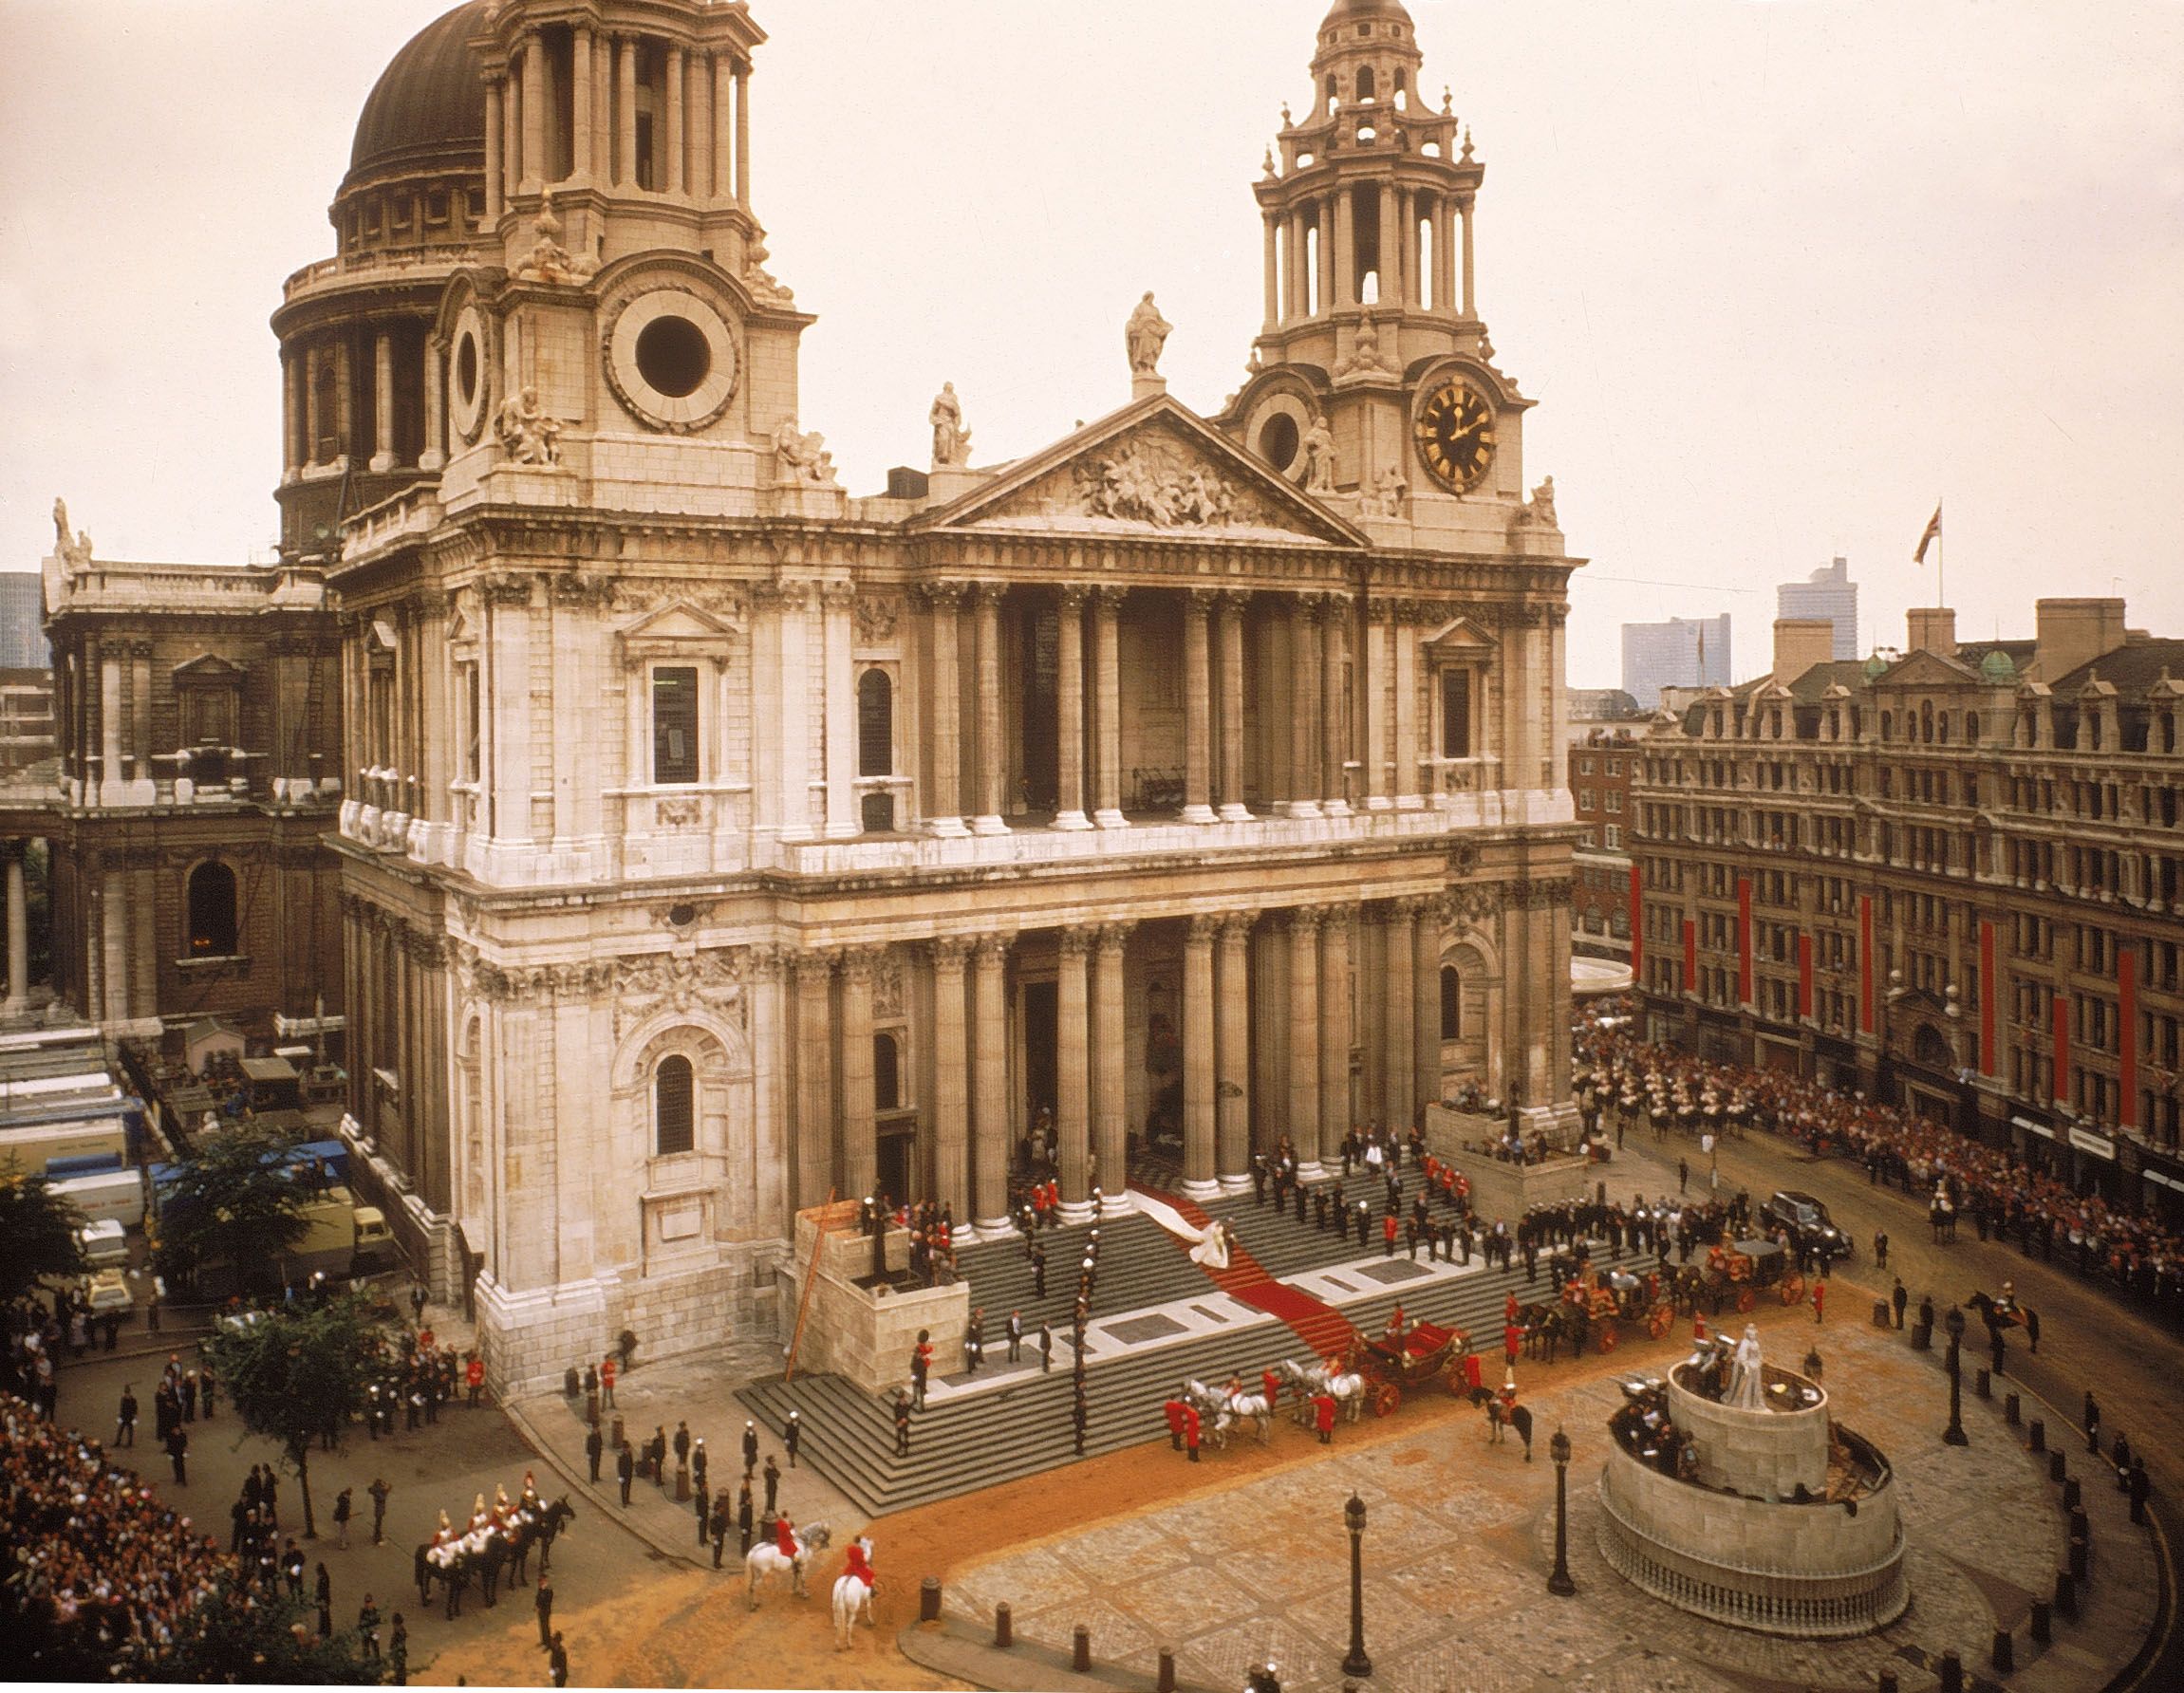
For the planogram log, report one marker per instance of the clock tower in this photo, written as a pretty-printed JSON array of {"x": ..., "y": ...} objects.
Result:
[{"x": 1373, "y": 383}]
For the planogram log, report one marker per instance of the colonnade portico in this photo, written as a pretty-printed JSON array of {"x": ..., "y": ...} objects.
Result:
[{"x": 975, "y": 1045}]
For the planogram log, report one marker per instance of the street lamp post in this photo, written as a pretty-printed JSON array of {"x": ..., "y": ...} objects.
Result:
[
  {"x": 1954, "y": 1435},
  {"x": 1560, "y": 1583},
  {"x": 1353, "y": 1518}
]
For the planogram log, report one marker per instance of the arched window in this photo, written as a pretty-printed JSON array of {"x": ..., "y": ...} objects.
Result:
[
  {"x": 212, "y": 911},
  {"x": 1887, "y": 725},
  {"x": 875, "y": 724},
  {"x": 329, "y": 446},
  {"x": 1451, "y": 1003},
  {"x": 1925, "y": 721},
  {"x": 1365, "y": 85},
  {"x": 1972, "y": 727},
  {"x": 886, "y": 1073},
  {"x": 674, "y": 1121}
]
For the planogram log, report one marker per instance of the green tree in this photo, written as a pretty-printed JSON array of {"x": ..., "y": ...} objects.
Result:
[
  {"x": 232, "y": 1202},
  {"x": 37, "y": 1232},
  {"x": 297, "y": 1373}
]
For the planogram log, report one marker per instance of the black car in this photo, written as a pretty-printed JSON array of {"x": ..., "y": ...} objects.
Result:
[{"x": 1807, "y": 1221}]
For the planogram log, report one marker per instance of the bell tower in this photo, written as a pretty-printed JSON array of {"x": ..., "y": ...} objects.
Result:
[{"x": 1371, "y": 377}]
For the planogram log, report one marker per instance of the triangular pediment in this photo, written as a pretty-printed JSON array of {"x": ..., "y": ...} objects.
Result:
[
  {"x": 678, "y": 621},
  {"x": 1153, "y": 468},
  {"x": 1457, "y": 637},
  {"x": 208, "y": 667},
  {"x": 1927, "y": 670}
]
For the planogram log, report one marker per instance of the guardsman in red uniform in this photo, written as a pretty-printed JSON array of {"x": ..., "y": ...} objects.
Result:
[
  {"x": 785, "y": 1537},
  {"x": 1272, "y": 1384},
  {"x": 1473, "y": 1378},
  {"x": 1172, "y": 1410},
  {"x": 1190, "y": 1431},
  {"x": 474, "y": 1374},
  {"x": 1512, "y": 1342},
  {"x": 860, "y": 1563},
  {"x": 1511, "y": 1311},
  {"x": 1323, "y": 1417},
  {"x": 606, "y": 1379}
]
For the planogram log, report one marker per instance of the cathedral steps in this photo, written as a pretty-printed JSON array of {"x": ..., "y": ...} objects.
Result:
[{"x": 967, "y": 1441}]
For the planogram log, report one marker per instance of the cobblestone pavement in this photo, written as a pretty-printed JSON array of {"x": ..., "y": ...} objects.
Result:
[{"x": 1461, "y": 1536}]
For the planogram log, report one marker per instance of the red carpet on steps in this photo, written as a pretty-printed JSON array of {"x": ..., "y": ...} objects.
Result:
[{"x": 1326, "y": 1331}]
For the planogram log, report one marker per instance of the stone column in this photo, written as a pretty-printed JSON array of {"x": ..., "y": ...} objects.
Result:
[
  {"x": 1304, "y": 1036},
  {"x": 1443, "y": 256},
  {"x": 991, "y": 759},
  {"x": 111, "y": 775},
  {"x": 1373, "y": 690},
  {"x": 1407, "y": 214},
  {"x": 860, "y": 1146},
  {"x": 1109, "y": 1120},
  {"x": 1230, "y": 791},
  {"x": 534, "y": 173},
  {"x": 1296, "y": 284},
  {"x": 1404, "y": 633},
  {"x": 698, "y": 128},
  {"x": 580, "y": 102},
  {"x": 1198, "y": 1115},
  {"x": 382, "y": 402},
  {"x": 1107, "y": 709},
  {"x": 1232, "y": 1082},
  {"x": 836, "y": 598},
  {"x": 435, "y": 454},
  {"x": 943, "y": 713},
  {"x": 1334, "y": 708},
  {"x": 292, "y": 413},
  {"x": 990, "y": 1085},
  {"x": 344, "y": 401},
  {"x": 1272, "y": 267},
  {"x": 1328, "y": 297},
  {"x": 1336, "y": 1108},
  {"x": 1471, "y": 304},
  {"x": 742, "y": 135},
  {"x": 1399, "y": 1104},
  {"x": 951, "y": 1078},
  {"x": 1303, "y": 711},
  {"x": 1347, "y": 281},
  {"x": 18, "y": 932},
  {"x": 814, "y": 974},
  {"x": 1196, "y": 707},
  {"x": 1426, "y": 1008},
  {"x": 1073, "y": 1097},
  {"x": 671, "y": 180},
  {"x": 1070, "y": 709},
  {"x": 625, "y": 111},
  {"x": 495, "y": 167},
  {"x": 723, "y": 126},
  {"x": 1390, "y": 260}
]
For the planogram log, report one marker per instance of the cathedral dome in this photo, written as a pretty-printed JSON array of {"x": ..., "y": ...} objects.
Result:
[
  {"x": 1358, "y": 12},
  {"x": 427, "y": 110}
]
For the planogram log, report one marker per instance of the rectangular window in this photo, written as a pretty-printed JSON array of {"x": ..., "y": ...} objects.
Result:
[
  {"x": 1614, "y": 801},
  {"x": 1615, "y": 837},
  {"x": 470, "y": 724},
  {"x": 1584, "y": 799},
  {"x": 675, "y": 724},
  {"x": 1455, "y": 714}
]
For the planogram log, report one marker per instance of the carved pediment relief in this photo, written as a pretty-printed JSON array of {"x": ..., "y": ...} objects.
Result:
[
  {"x": 1153, "y": 470},
  {"x": 209, "y": 669},
  {"x": 1460, "y": 637},
  {"x": 676, "y": 629}
]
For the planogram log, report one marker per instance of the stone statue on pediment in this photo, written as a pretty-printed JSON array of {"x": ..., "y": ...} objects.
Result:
[
  {"x": 73, "y": 552},
  {"x": 549, "y": 261},
  {"x": 1389, "y": 489},
  {"x": 1146, "y": 334},
  {"x": 527, "y": 434},
  {"x": 1319, "y": 456},
  {"x": 951, "y": 440},
  {"x": 800, "y": 458}
]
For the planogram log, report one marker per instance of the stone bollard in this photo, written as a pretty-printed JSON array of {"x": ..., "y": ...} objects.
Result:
[
  {"x": 2004, "y": 1657},
  {"x": 2079, "y": 1553},
  {"x": 2010, "y": 1410},
  {"x": 2056, "y": 1467},
  {"x": 1982, "y": 1383},
  {"x": 2042, "y": 1631},
  {"x": 1951, "y": 1672},
  {"x": 2070, "y": 1493},
  {"x": 592, "y": 1408},
  {"x": 1881, "y": 1320},
  {"x": 1004, "y": 1625},
  {"x": 929, "y": 1599},
  {"x": 1166, "y": 1682},
  {"x": 1080, "y": 1650},
  {"x": 2080, "y": 1528},
  {"x": 1888, "y": 1681},
  {"x": 2036, "y": 1435},
  {"x": 1921, "y": 1338},
  {"x": 2065, "y": 1596},
  {"x": 682, "y": 1484}
]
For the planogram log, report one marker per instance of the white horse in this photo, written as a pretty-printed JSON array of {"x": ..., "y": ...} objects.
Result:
[
  {"x": 1346, "y": 1387},
  {"x": 852, "y": 1602},
  {"x": 764, "y": 1560},
  {"x": 1255, "y": 1409}
]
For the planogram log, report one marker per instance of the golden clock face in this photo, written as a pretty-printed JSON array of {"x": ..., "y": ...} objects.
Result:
[{"x": 1456, "y": 436}]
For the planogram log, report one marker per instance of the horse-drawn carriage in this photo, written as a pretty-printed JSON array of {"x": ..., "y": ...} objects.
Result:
[
  {"x": 1739, "y": 1271},
  {"x": 1592, "y": 1309},
  {"x": 1408, "y": 1357}
]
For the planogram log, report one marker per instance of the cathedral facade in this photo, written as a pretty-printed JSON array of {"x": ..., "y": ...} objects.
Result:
[{"x": 716, "y": 841}]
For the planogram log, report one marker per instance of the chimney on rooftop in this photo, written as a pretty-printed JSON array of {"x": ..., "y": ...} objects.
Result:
[
  {"x": 1933, "y": 630},
  {"x": 1800, "y": 643},
  {"x": 2067, "y": 633}
]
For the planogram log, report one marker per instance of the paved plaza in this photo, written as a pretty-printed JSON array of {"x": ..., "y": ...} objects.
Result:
[{"x": 1461, "y": 1537}]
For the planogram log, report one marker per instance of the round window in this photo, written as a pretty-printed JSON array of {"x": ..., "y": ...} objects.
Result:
[
  {"x": 469, "y": 375},
  {"x": 1277, "y": 441},
  {"x": 466, "y": 370},
  {"x": 673, "y": 355}
]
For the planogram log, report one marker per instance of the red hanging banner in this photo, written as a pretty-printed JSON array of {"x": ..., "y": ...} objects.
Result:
[
  {"x": 1865, "y": 963},
  {"x": 1985, "y": 998},
  {"x": 2127, "y": 1014},
  {"x": 1743, "y": 940}
]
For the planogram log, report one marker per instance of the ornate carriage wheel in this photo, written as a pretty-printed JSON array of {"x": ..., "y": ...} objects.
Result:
[
  {"x": 1746, "y": 1298},
  {"x": 1607, "y": 1337},
  {"x": 1662, "y": 1320},
  {"x": 1386, "y": 1398},
  {"x": 1793, "y": 1288}
]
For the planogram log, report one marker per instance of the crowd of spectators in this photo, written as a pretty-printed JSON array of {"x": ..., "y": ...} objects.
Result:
[{"x": 2005, "y": 1197}]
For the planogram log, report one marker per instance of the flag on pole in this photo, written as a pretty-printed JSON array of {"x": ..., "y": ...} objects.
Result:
[{"x": 1929, "y": 537}]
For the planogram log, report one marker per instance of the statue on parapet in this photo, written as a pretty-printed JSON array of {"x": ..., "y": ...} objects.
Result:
[
  {"x": 1319, "y": 456},
  {"x": 75, "y": 554},
  {"x": 1146, "y": 334},
  {"x": 550, "y": 261},
  {"x": 951, "y": 440},
  {"x": 1389, "y": 489},
  {"x": 800, "y": 458}
]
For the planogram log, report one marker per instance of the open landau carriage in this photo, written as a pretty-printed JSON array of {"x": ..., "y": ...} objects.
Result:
[{"x": 1411, "y": 1357}]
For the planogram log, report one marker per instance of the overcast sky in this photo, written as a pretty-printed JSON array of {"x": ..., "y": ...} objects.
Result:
[{"x": 1779, "y": 274}]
